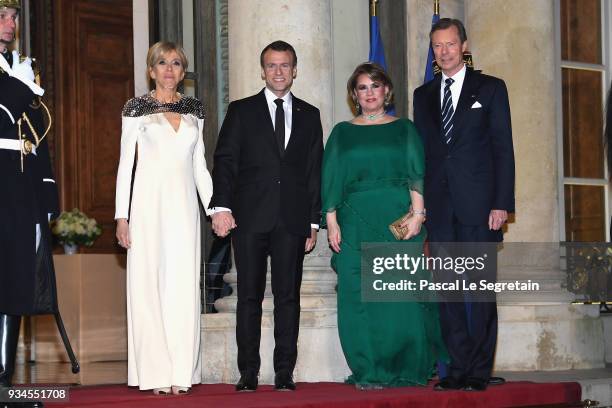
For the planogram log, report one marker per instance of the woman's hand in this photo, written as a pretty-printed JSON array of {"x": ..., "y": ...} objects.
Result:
[
  {"x": 123, "y": 233},
  {"x": 334, "y": 237},
  {"x": 414, "y": 224}
]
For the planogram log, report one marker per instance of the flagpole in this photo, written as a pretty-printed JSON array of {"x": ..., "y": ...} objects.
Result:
[
  {"x": 373, "y": 7},
  {"x": 436, "y": 6}
]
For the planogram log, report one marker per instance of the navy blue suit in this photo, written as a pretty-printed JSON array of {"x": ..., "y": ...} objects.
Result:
[{"x": 464, "y": 181}]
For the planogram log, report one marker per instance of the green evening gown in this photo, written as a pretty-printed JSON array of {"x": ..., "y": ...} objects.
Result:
[{"x": 368, "y": 172}]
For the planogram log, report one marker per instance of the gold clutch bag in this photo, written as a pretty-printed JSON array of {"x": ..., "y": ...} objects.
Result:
[{"x": 398, "y": 231}]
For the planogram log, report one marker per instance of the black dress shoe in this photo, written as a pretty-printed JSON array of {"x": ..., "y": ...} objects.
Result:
[
  {"x": 284, "y": 382},
  {"x": 448, "y": 384},
  {"x": 497, "y": 380},
  {"x": 247, "y": 383},
  {"x": 475, "y": 384}
]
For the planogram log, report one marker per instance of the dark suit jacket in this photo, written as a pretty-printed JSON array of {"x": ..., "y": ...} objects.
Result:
[
  {"x": 259, "y": 184},
  {"x": 474, "y": 173}
]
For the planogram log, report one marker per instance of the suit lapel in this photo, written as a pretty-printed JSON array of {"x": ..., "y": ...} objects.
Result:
[
  {"x": 296, "y": 120},
  {"x": 466, "y": 100},
  {"x": 435, "y": 102}
]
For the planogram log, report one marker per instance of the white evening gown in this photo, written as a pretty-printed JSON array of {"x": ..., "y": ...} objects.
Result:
[{"x": 163, "y": 263}]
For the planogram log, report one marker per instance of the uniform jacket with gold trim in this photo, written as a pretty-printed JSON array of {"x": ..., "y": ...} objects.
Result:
[{"x": 28, "y": 197}]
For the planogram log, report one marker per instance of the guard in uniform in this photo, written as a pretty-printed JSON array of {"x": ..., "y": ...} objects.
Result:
[{"x": 28, "y": 197}]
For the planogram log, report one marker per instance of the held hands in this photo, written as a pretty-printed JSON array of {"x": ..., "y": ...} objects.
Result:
[
  {"x": 223, "y": 222},
  {"x": 413, "y": 224},
  {"x": 497, "y": 218},
  {"x": 123, "y": 233},
  {"x": 23, "y": 71}
]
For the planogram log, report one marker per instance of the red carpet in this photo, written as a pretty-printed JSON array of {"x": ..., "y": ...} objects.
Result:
[{"x": 334, "y": 395}]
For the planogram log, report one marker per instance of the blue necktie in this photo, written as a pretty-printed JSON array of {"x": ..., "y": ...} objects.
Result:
[{"x": 447, "y": 112}]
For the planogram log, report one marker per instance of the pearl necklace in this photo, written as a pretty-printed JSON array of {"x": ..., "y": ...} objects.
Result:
[{"x": 374, "y": 116}]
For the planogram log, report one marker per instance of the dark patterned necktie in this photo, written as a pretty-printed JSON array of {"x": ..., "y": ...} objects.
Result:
[
  {"x": 279, "y": 125},
  {"x": 447, "y": 112},
  {"x": 8, "y": 57}
]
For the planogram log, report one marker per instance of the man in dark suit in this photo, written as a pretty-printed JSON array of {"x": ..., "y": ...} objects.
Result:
[
  {"x": 266, "y": 179},
  {"x": 464, "y": 119}
]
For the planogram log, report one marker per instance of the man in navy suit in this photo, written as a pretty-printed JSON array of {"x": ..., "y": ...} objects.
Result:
[
  {"x": 464, "y": 119},
  {"x": 267, "y": 177}
]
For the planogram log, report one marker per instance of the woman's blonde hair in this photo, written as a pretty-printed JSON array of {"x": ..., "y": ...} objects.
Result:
[{"x": 159, "y": 48}]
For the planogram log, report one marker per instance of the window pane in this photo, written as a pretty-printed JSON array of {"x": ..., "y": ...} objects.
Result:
[
  {"x": 582, "y": 124},
  {"x": 584, "y": 214},
  {"x": 581, "y": 30}
]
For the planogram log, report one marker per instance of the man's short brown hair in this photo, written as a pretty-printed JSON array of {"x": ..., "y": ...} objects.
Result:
[
  {"x": 278, "y": 46},
  {"x": 445, "y": 23}
]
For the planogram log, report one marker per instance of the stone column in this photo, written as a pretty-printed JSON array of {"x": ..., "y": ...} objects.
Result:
[
  {"x": 306, "y": 25},
  {"x": 141, "y": 46},
  {"x": 514, "y": 40}
]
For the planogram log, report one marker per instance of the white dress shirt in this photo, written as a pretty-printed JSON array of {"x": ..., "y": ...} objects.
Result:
[
  {"x": 455, "y": 88},
  {"x": 287, "y": 107}
]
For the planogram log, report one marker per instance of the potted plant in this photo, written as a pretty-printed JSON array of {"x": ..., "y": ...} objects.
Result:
[{"x": 73, "y": 229}]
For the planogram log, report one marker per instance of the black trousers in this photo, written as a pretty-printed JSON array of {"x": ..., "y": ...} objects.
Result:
[
  {"x": 469, "y": 329},
  {"x": 286, "y": 253}
]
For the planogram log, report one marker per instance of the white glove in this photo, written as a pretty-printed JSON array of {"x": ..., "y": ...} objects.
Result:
[
  {"x": 23, "y": 69},
  {"x": 23, "y": 72}
]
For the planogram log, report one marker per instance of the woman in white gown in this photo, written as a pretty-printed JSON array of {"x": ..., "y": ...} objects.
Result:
[{"x": 162, "y": 236}]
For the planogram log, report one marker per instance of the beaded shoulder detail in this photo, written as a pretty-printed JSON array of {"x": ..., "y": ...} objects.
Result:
[{"x": 148, "y": 105}]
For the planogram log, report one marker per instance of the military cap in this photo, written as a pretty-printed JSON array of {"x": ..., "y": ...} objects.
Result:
[{"x": 16, "y": 4}]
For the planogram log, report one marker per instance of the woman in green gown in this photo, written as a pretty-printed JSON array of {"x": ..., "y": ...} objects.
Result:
[{"x": 373, "y": 169}]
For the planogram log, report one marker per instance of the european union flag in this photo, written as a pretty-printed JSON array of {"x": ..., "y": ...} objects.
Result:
[
  {"x": 377, "y": 51},
  {"x": 430, "y": 56}
]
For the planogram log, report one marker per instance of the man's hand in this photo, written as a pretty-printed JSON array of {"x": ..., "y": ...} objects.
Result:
[
  {"x": 23, "y": 71},
  {"x": 223, "y": 222},
  {"x": 497, "y": 218},
  {"x": 312, "y": 241},
  {"x": 22, "y": 68}
]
